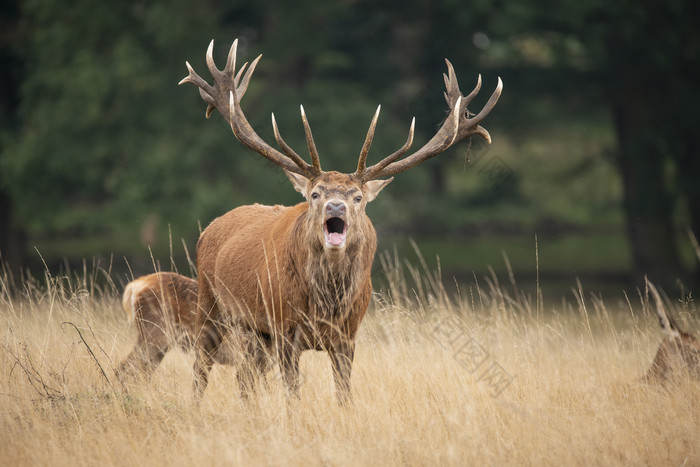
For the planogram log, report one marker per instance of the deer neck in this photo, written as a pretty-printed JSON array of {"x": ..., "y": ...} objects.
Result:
[{"x": 331, "y": 276}]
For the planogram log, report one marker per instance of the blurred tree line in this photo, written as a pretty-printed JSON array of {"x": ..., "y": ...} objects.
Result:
[{"x": 98, "y": 142}]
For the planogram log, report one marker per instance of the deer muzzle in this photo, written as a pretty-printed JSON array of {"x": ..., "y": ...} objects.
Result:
[{"x": 335, "y": 225}]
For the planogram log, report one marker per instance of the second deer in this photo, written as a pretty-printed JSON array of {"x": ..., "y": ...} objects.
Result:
[
  {"x": 678, "y": 353},
  {"x": 162, "y": 307}
]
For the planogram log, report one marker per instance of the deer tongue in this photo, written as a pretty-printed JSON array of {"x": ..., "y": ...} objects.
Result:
[{"x": 335, "y": 239}]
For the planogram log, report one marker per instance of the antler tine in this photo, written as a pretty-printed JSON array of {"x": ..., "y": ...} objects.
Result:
[
  {"x": 205, "y": 90},
  {"x": 194, "y": 78},
  {"x": 361, "y": 163},
  {"x": 452, "y": 87},
  {"x": 442, "y": 140},
  {"x": 210, "y": 108},
  {"x": 456, "y": 127},
  {"x": 369, "y": 173},
  {"x": 229, "y": 87},
  {"x": 468, "y": 99},
  {"x": 242, "y": 86},
  {"x": 215, "y": 72},
  {"x": 197, "y": 80},
  {"x": 246, "y": 135},
  {"x": 237, "y": 79},
  {"x": 287, "y": 149},
  {"x": 470, "y": 129},
  {"x": 315, "y": 161},
  {"x": 491, "y": 102},
  {"x": 231, "y": 58}
]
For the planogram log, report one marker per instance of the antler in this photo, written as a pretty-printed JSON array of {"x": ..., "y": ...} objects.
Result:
[
  {"x": 225, "y": 96},
  {"x": 456, "y": 127}
]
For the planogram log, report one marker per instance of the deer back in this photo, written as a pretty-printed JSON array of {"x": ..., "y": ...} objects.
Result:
[{"x": 162, "y": 306}]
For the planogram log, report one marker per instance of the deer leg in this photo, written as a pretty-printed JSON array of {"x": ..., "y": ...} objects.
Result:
[
  {"x": 208, "y": 342},
  {"x": 288, "y": 355},
  {"x": 342, "y": 356},
  {"x": 151, "y": 344},
  {"x": 245, "y": 375},
  {"x": 657, "y": 371},
  {"x": 207, "y": 339},
  {"x": 143, "y": 360},
  {"x": 261, "y": 356},
  {"x": 249, "y": 358}
]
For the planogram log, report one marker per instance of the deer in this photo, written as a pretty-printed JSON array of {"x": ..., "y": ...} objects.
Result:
[
  {"x": 162, "y": 308},
  {"x": 679, "y": 351},
  {"x": 299, "y": 277}
]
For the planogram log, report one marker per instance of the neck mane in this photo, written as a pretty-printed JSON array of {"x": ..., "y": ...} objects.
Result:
[{"x": 331, "y": 277}]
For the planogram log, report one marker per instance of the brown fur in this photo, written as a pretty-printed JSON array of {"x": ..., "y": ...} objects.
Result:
[
  {"x": 268, "y": 270},
  {"x": 678, "y": 353},
  {"x": 162, "y": 307},
  {"x": 277, "y": 271}
]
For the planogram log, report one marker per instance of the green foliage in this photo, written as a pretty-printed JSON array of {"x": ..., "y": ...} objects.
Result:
[
  {"x": 107, "y": 145},
  {"x": 98, "y": 147}
]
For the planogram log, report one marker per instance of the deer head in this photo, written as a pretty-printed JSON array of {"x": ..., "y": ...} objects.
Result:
[
  {"x": 678, "y": 353},
  {"x": 336, "y": 201}
]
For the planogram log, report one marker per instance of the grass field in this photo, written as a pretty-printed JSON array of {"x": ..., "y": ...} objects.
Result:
[{"x": 487, "y": 376}]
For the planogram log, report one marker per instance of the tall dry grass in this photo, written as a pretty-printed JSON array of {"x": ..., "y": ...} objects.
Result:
[{"x": 484, "y": 376}]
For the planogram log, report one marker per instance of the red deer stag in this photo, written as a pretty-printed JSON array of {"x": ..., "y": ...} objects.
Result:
[
  {"x": 679, "y": 352},
  {"x": 299, "y": 277}
]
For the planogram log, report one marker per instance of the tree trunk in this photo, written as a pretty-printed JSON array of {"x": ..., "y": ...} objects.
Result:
[
  {"x": 648, "y": 204},
  {"x": 12, "y": 241},
  {"x": 687, "y": 157}
]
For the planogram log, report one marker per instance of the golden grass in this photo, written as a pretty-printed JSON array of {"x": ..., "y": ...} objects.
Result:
[{"x": 418, "y": 400}]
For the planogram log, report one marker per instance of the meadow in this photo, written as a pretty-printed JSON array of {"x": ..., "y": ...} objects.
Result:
[{"x": 474, "y": 373}]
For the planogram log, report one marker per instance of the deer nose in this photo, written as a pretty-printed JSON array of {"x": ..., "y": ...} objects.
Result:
[{"x": 335, "y": 209}]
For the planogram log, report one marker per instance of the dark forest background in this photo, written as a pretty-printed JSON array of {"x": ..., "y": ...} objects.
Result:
[{"x": 596, "y": 150}]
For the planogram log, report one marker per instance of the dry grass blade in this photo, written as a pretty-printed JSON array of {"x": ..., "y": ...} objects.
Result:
[
  {"x": 425, "y": 383},
  {"x": 92, "y": 354}
]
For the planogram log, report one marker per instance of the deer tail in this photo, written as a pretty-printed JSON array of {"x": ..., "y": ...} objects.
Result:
[{"x": 129, "y": 298}]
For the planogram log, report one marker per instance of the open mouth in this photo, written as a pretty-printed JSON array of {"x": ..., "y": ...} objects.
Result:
[{"x": 335, "y": 229}]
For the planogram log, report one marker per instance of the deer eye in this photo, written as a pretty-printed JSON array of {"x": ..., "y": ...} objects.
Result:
[
  {"x": 315, "y": 195},
  {"x": 358, "y": 199}
]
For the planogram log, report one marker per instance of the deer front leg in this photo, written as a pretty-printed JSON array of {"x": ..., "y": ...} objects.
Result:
[
  {"x": 342, "y": 355},
  {"x": 250, "y": 357},
  {"x": 245, "y": 375}
]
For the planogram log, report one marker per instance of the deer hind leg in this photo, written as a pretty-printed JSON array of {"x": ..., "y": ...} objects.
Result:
[
  {"x": 142, "y": 361},
  {"x": 288, "y": 355},
  {"x": 150, "y": 348},
  {"x": 208, "y": 342},
  {"x": 342, "y": 355},
  {"x": 208, "y": 337}
]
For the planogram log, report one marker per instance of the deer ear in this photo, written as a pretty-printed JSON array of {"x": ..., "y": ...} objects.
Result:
[
  {"x": 373, "y": 187},
  {"x": 300, "y": 182}
]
